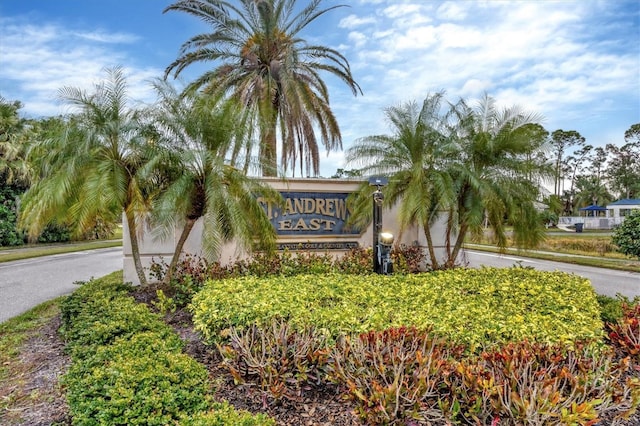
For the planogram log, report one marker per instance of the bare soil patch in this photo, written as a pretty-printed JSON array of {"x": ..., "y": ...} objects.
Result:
[{"x": 31, "y": 395}]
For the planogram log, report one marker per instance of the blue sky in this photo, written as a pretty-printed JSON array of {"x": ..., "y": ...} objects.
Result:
[{"x": 577, "y": 63}]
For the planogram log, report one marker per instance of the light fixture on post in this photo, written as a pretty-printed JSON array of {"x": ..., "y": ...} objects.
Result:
[
  {"x": 385, "y": 242},
  {"x": 378, "y": 198}
]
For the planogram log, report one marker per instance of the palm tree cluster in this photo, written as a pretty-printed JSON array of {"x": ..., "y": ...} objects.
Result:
[
  {"x": 188, "y": 156},
  {"x": 469, "y": 165},
  {"x": 170, "y": 164}
]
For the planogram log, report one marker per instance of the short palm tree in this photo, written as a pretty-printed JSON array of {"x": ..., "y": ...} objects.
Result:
[
  {"x": 197, "y": 142},
  {"x": 495, "y": 176},
  {"x": 273, "y": 73},
  {"x": 89, "y": 171},
  {"x": 416, "y": 159}
]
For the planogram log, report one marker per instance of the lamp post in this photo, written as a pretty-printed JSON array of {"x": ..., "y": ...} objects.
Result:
[{"x": 381, "y": 249}]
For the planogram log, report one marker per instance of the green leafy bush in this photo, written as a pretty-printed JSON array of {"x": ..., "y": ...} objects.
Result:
[
  {"x": 468, "y": 306},
  {"x": 105, "y": 322},
  {"x": 627, "y": 235},
  {"x": 193, "y": 271},
  {"x": 10, "y": 235},
  {"x": 610, "y": 308},
  {"x": 128, "y": 389},
  {"x": 100, "y": 291}
]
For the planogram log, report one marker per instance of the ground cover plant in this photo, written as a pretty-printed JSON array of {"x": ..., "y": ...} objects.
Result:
[{"x": 468, "y": 306}]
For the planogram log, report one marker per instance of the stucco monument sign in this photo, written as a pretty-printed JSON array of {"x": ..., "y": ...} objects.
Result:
[{"x": 313, "y": 218}]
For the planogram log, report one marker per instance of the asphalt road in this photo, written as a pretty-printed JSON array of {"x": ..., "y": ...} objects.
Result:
[
  {"x": 608, "y": 282},
  {"x": 27, "y": 283}
]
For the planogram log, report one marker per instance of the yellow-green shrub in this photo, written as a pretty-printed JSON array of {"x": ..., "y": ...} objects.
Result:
[
  {"x": 223, "y": 414},
  {"x": 468, "y": 306}
]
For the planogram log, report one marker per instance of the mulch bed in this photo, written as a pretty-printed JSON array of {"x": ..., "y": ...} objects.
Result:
[{"x": 318, "y": 407}]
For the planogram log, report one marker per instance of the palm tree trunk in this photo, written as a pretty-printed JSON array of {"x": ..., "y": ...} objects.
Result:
[
  {"x": 447, "y": 241},
  {"x": 135, "y": 249},
  {"x": 186, "y": 230},
  {"x": 432, "y": 253},
  {"x": 451, "y": 261},
  {"x": 269, "y": 161}
]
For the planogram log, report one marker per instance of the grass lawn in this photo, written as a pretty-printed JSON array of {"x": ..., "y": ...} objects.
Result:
[
  {"x": 26, "y": 252},
  {"x": 8, "y": 254},
  {"x": 589, "y": 248}
]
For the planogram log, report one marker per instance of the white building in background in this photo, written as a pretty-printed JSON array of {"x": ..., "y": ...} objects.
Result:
[
  {"x": 610, "y": 216},
  {"x": 622, "y": 208}
]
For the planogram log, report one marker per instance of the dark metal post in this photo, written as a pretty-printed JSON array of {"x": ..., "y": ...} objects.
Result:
[{"x": 377, "y": 228}]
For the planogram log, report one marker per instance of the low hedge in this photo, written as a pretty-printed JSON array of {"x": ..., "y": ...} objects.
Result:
[
  {"x": 468, "y": 306},
  {"x": 127, "y": 364}
]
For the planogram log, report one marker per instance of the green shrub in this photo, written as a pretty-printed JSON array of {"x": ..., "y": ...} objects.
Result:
[
  {"x": 193, "y": 271},
  {"x": 222, "y": 414},
  {"x": 627, "y": 235},
  {"x": 610, "y": 308},
  {"x": 127, "y": 365},
  {"x": 106, "y": 320},
  {"x": 105, "y": 289},
  {"x": 473, "y": 307},
  {"x": 130, "y": 389}
]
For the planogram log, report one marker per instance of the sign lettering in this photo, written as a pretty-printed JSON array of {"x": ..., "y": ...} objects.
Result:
[{"x": 310, "y": 213}]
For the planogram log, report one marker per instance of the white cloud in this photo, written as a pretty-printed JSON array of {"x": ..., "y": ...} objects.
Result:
[
  {"x": 451, "y": 11},
  {"x": 353, "y": 21},
  {"x": 39, "y": 60},
  {"x": 104, "y": 37},
  {"x": 357, "y": 38},
  {"x": 400, "y": 10}
]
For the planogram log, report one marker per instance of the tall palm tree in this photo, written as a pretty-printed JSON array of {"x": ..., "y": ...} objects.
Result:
[
  {"x": 496, "y": 175},
  {"x": 89, "y": 172},
  {"x": 416, "y": 158},
  {"x": 197, "y": 142},
  {"x": 263, "y": 62}
]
